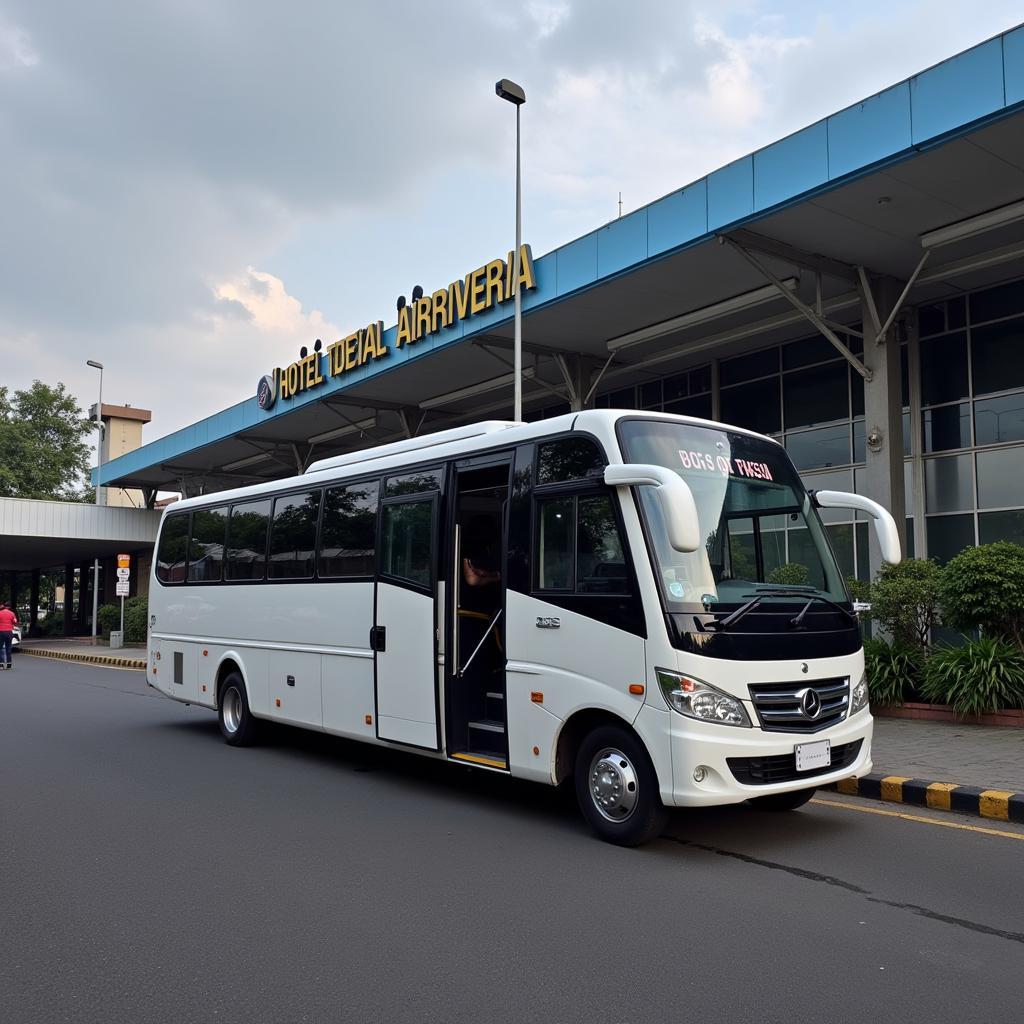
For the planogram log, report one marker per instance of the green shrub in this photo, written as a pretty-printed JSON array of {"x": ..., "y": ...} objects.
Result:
[
  {"x": 905, "y": 600},
  {"x": 895, "y": 671},
  {"x": 52, "y": 624},
  {"x": 109, "y": 617},
  {"x": 983, "y": 675},
  {"x": 136, "y": 615},
  {"x": 983, "y": 588},
  {"x": 791, "y": 574}
]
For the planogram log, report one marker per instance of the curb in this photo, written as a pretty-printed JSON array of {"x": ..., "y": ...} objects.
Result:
[
  {"x": 137, "y": 664},
  {"x": 997, "y": 804}
]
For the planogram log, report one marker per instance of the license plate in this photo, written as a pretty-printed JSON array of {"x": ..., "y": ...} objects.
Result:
[{"x": 813, "y": 755}]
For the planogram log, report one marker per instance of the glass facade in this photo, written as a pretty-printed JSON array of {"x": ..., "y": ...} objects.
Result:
[{"x": 805, "y": 394}]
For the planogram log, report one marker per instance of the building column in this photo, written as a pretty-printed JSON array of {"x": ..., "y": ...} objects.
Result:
[
  {"x": 883, "y": 416},
  {"x": 33, "y": 611},
  {"x": 82, "y": 621},
  {"x": 69, "y": 599}
]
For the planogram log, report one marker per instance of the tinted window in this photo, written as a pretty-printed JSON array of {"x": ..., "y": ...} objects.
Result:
[
  {"x": 293, "y": 536},
  {"x": 997, "y": 354},
  {"x": 173, "y": 550},
  {"x": 406, "y": 541},
  {"x": 944, "y": 369},
  {"x": 579, "y": 546},
  {"x": 815, "y": 396},
  {"x": 754, "y": 406},
  {"x": 947, "y": 427},
  {"x": 247, "y": 541},
  {"x": 348, "y": 530},
  {"x": 206, "y": 548},
  {"x": 413, "y": 483},
  {"x": 993, "y": 303},
  {"x": 997, "y": 420},
  {"x": 570, "y": 458},
  {"x": 757, "y": 364},
  {"x": 600, "y": 562}
]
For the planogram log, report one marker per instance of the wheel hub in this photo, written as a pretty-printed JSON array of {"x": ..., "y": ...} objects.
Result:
[{"x": 613, "y": 784}]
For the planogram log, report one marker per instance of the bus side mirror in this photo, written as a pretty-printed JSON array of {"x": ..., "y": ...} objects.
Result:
[
  {"x": 885, "y": 525},
  {"x": 677, "y": 504}
]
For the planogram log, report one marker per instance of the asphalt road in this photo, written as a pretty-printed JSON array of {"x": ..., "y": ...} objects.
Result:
[{"x": 148, "y": 872}]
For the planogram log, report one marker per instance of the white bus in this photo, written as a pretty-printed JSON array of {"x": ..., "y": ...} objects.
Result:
[{"x": 644, "y": 604}]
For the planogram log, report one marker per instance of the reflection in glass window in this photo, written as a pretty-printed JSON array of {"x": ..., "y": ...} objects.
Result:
[
  {"x": 994, "y": 303},
  {"x": 556, "y": 545},
  {"x": 948, "y": 484},
  {"x": 413, "y": 483},
  {"x": 172, "y": 552},
  {"x": 206, "y": 548},
  {"x": 998, "y": 420},
  {"x": 406, "y": 536},
  {"x": 348, "y": 530},
  {"x": 293, "y": 536},
  {"x": 749, "y": 367},
  {"x": 812, "y": 449},
  {"x": 1000, "y": 480},
  {"x": 699, "y": 407},
  {"x": 569, "y": 458},
  {"x": 247, "y": 541},
  {"x": 947, "y": 427},
  {"x": 600, "y": 561},
  {"x": 993, "y": 526}
]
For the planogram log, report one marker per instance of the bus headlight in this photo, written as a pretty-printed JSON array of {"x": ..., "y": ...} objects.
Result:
[
  {"x": 697, "y": 699},
  {"x": 859, "y": 696}
]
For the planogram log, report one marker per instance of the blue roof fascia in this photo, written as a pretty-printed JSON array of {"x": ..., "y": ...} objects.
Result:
[{"x": 982, "y": 84}]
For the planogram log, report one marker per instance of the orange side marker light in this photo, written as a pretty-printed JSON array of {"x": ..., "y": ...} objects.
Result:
[
  {"x": 637, "y": 689},
  {"x": 205, "y": 653},
  {"x": 369, "y": 719},
  {"x": 537, "y": 697},
  {"x": 277, "y": 702}
]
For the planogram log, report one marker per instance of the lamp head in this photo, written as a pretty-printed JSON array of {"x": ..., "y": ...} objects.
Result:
[
  {"x": 508, "y": 90},
  {"x": 94, "y": 364}
]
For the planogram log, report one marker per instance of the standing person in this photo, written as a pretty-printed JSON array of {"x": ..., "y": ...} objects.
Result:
[{"x": 8, "y": 620}]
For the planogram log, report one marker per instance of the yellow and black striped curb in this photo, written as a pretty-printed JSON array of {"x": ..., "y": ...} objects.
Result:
[
  {"x": 89, "y": 659},
  {"x": 1000, "y": 804}
]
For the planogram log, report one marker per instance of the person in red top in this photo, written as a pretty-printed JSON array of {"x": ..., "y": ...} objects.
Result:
[{"x": 8, "y": 620}]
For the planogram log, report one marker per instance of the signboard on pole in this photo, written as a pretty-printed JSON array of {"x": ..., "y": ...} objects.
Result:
[
  {"x": 124, "y": 574},
  {"x": 122, "y": 588},
  {"x": 124, "y": 561}
]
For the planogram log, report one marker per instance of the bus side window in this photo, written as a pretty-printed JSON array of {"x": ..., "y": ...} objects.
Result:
[
  {"x": 568, "y": 458},
  {"x": 247, "y": 541},
  {"x": 206, "y": 546},
  {"x": 172, "y": 555},
  {"x": 293, "y": 536},
  {"x": 348, "y": 530},
  {"x": 579, "y": 547}
]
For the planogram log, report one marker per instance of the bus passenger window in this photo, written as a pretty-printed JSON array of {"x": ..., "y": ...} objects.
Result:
[
  {"x": 555, "y": 550},
  {"x": 293, "y": 536},
  {"x": 600, "y": 562},
  {"x": 247, "y": 541},
  {"x": 206, "y": 547},
  {"x": 406, "y": 540},
  {"x": 348, "y": 530},
  {"x": 171, "y": 558},
  {"x": 568, "y": 458}
]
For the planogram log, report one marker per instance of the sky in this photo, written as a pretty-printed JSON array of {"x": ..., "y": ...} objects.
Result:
[{"x": 190, "y": 190}]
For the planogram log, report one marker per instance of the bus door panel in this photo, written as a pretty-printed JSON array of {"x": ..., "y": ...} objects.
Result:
[
  {"x": 404, "y": 636},
  {"x": 294, "y": 687}
]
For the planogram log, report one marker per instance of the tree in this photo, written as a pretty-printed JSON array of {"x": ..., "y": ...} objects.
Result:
[
  {"x": 905, "y": 600},
  {"x": 43, "y": 452},
  {"x": 983, "y": 588}
]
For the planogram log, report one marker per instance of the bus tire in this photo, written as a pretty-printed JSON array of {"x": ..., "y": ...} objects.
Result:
[
  {"x": 782, "y": 801},
  {"x": 617, "y": 788},
  {"x": 237, "y": 725}
]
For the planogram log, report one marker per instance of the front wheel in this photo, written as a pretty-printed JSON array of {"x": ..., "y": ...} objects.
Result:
[
  {"x": 237, "y": 725},
  {"x": 617, "y": 789},
  {"x": 783, "y": 801}
]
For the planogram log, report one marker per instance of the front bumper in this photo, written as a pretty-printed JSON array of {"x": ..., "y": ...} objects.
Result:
[{"x": 696, "y": 744}]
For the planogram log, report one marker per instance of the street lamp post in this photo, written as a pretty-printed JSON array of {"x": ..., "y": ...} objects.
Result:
[
  {"x": 508, "y": 90},
  {"x": 99, "y": 473}
]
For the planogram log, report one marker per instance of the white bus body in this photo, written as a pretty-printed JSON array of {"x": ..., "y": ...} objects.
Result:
[{"x": 644, "y": 603}]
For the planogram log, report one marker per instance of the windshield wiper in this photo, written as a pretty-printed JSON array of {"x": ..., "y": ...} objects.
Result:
[
  {"x": 735, "y": 616},
  {"x": 797, "y": 621}
]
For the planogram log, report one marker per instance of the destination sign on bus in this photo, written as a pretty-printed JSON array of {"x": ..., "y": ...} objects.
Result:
[{"x": 724, "y": 465}]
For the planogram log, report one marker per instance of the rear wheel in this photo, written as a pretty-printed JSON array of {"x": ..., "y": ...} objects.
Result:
[
  {"x": 617, "y": 788},
  {"x": 237, "y": 725},
  {"x": 783, "y": 801}
]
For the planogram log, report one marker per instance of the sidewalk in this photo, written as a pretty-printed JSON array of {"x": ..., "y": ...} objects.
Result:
[
  {"x": 93, "y": 654},
  {"x": 969, "y": 769}
]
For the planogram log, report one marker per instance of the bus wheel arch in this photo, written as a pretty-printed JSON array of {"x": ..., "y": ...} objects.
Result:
[{"x": 614, "y": 777}]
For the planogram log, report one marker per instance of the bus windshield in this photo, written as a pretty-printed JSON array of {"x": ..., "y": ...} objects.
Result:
[{"x": 761, "y": 535}]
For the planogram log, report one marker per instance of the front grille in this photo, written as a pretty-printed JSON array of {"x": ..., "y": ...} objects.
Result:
[
  {"x": 781, "y": 707},
  {"x": 763, "y": 771}
]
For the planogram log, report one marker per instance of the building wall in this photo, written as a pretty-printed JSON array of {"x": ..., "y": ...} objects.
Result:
[{"x": 121, "y": 436}]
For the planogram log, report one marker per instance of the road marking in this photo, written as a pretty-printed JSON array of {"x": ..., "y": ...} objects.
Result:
[{"x": 917, "y": 817}]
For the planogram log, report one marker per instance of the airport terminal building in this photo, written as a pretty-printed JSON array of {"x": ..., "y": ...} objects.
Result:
[{"x": 855, "y": 290}]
